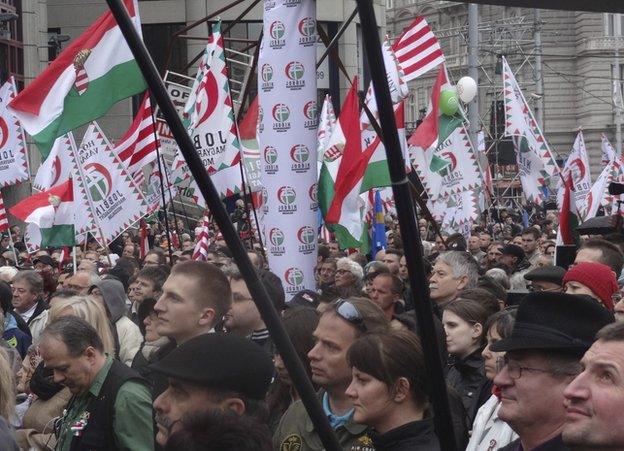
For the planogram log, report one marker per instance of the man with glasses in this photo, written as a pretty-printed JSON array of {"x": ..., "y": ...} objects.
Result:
[
  {"x": 551, "y": 333},
  {"x": 243, "y": 317},
  {"x": 340, "y": 325}
]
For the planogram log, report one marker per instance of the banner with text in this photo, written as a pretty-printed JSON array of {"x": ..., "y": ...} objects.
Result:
[{"x": 287, "y": 140}]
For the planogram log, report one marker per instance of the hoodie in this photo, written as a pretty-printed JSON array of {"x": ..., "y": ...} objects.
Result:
[{"x": 128, "y": 334}]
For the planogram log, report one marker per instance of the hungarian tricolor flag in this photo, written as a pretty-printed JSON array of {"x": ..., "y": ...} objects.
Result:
[
  {"x": 92, "y": 74},
  {"x": 52, "y": 212},
  {"x": 436, "y": 127},
  {"x": 337, "y": 190},
  {"x": 568, "y": 217}
]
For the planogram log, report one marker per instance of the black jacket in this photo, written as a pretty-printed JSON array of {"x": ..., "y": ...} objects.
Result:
[
  {"x": 554, "y": 444},
  {"x": 467, "y": 376},
  {"x": 414, "y": 436}
]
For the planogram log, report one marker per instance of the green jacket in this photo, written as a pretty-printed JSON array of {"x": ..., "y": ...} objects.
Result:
[
  {"x": 295, "y": 432},
  {"x": 132, "y": 423}
]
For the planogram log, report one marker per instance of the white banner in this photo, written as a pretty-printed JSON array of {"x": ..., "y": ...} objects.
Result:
[
  {"x": 211, "y": 124},
  {"x": 153, "y": 191},
  {"x": 117, "y": 202},
  {"x": 533, "y": 176},
  {"x": 577, "y": 165},
  {"x": 460, "y": 175},
  {"x": 287, "y": 140},
  {"x": 13, "y": 152}
]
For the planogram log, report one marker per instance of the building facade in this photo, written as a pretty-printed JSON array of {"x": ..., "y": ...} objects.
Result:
[{"x": 578, "y": 58}]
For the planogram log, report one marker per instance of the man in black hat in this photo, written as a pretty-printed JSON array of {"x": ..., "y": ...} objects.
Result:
[
  {"x": 551, "y": 333},
  {"x": 212, "y": 371},
  {"x": 514, "y": 259},
  {"x": 546, "y": 278}
]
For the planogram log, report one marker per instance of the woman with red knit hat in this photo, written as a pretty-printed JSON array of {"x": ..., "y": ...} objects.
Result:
[{"x": 593, "y": 279}]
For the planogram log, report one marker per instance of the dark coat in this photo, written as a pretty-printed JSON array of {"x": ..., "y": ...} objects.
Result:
[
  {"x": 414, "y": 436},
  {"x": 554, "y": 444},
  {"x": 467, "y": 376}
]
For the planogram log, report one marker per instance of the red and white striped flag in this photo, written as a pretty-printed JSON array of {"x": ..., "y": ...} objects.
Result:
[
  {"x": 203, "y": 241},
  {"x": 417, "y": 49},
  {"x": 143, "y": 242},
  {"x": 138, "y": 146},
  {"x": 4, "y": 221}
]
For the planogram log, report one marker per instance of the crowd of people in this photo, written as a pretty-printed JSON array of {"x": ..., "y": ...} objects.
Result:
[{"x": 123, "y": 353}]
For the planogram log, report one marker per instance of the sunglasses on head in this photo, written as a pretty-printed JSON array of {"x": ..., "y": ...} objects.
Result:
[{"x": 349, "y": 312}]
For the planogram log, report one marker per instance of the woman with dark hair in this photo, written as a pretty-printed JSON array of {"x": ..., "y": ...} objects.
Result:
[
  {"x": 388, "y": 391},
  {"x": 299, "y": 323},
  {"x": 464, "y": 321},
  {"x": 489, "y": 431}
]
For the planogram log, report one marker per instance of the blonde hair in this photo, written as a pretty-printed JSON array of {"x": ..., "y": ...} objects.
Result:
[
  {"x": 7, "y": 387},
  {"x": 90, "y": 310}
]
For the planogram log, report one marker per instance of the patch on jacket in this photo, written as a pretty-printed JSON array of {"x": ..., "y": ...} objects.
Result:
[{"x": 291, "y": 443}]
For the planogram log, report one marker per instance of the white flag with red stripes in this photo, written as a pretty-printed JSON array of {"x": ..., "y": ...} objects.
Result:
[
  {"x": 4, "y": 221},
  {"x": 417, "y": 50},
  {"x": 137, "y": 147},
  {"x": 203, "y": 242}
]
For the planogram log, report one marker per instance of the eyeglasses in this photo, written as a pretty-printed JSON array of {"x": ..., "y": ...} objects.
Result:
[
  {"x": 535, "y": 289},
  {"x": 349, "y": 312},
  {"x": 514, "y": 369}
]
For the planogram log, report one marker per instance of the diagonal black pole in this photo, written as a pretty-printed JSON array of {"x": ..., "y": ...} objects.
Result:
[
  {"x": 269, "y": 315},
  {"x": 409, "y": 230}
]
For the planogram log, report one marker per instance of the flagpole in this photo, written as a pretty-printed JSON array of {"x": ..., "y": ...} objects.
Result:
[
  {"x": 25, "y": 146},
  {"x": 160, "y": 172},
  {"x": 162, "y": 192},
  {"x": 373, "y": 122},
  {"x": 74, "y": 257},
  {"x": 271, "y": 318},
  {"x": 436, "y": 387}
]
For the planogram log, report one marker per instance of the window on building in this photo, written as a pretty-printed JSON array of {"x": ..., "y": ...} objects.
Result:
[
  {"x": 11, "y": 46},
  {"x": 613, "y": 24}
]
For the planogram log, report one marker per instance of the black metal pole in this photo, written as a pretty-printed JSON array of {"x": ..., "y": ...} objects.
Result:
[
  {"x": 269, "y": 315},
  {"x": 409, "y": 230}
]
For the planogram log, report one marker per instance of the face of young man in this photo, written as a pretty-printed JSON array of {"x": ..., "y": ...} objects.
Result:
[
  {"x": 328, "y": 357},
  {"x": 243, "y": 317},
  {"x": 392, "y": 261},
  {"x": 143, "y": 288},
  {"x": 529, "y": 243},
  {"x": 181, "y": 312}
]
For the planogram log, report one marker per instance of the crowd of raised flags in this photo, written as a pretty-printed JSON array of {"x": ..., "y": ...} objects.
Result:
[{"x": 110, "y": 192}]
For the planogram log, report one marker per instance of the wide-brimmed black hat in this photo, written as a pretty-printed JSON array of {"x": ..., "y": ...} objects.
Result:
[{"x": 556, "y": 321}]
